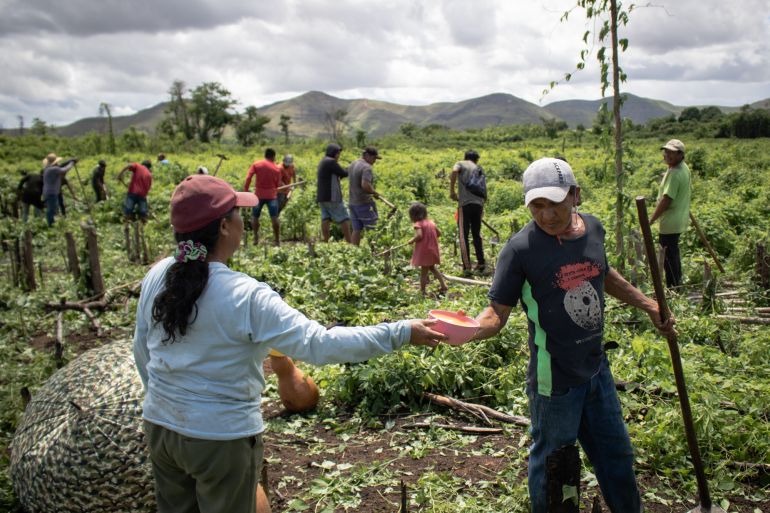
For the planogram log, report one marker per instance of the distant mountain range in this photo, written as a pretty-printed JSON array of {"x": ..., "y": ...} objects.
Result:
[{"x": 309, "y": 113}]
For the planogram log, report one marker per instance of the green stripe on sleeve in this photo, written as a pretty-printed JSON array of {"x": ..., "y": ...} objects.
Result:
[{"x": 544, "y": 377}]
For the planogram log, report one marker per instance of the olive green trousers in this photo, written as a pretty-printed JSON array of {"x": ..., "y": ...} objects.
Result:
[{"x": 204, "y": 476}]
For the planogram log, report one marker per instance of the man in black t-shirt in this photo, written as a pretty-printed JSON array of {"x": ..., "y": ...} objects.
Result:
[
  {"x": 329, "y": 193},
  {"x": 557, "y": 268},
  {"x": 97, "y": 181}
]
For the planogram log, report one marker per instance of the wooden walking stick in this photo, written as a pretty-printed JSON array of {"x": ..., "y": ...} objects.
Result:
[
  {"x": 673, "y": 348},
  {"x": 705, "y": 242}
]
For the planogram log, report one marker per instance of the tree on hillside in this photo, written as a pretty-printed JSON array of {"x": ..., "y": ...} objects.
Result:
[
  {"x": 210, "y": 106},
  {"x": 606, "y": 15},
  {"x": 249, "y": 126},
  {"x": 177, "y": 118},
  {"x": 104, "y": 108},
  {"x": 360, "y": 138},
  {"x": 336, "y": 123},
  {"x": 711, "y": 113},
  {"x": 21, "y": 124},
  {"x": 284, "y": 124},
  {"x": 553, "y": 126},
  {"x": 39, "y": 127},
  {"x": 690, "y": 114}
]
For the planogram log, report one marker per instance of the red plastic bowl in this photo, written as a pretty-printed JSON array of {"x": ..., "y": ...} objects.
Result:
[{"x": 459, "y": 328}]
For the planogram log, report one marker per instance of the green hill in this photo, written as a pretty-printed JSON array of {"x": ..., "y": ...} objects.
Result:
[{"x": 310, "y": 112}]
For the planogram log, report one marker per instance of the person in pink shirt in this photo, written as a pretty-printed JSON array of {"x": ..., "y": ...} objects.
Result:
[
  {"x": 426, "y": 254},
  {"x": 138, "y": 188},
  {"x": 267, "y": 180}
]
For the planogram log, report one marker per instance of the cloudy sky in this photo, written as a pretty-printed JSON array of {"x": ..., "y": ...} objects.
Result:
[{"x": 60, "y": 59}]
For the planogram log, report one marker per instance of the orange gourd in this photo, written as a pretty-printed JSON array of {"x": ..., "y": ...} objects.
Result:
[
  {"x": 298, "y": 392},
  {"x": 263, "y": 505}
]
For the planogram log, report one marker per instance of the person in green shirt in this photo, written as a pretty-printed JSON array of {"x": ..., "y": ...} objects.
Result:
[{"x": 673, "y": 208}]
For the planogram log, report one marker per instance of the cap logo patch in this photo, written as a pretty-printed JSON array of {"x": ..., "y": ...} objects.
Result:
[{"x": 559, "y": 173}]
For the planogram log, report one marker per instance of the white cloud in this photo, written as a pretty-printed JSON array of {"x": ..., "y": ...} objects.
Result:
[{"x": 61, "y": 59}]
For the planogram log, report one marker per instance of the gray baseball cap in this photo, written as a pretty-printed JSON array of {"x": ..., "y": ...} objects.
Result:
[{"x": 548, "y": 178}]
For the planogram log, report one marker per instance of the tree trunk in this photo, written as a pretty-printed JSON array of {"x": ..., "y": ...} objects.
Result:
[{"x": 618, "y": 137}]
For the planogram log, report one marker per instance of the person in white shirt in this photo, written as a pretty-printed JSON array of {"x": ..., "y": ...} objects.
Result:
[{"x": 202, "y": 332}]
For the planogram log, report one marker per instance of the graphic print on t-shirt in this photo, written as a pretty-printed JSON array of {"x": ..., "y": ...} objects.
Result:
[{"x": 581, "y": 300}]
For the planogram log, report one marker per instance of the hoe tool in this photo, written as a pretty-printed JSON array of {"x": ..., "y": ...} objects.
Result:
[
  {"x": 496, "y": 238},
  {"x": 705, "y": 505},
  {"x": 289, "y": 186},
  {"x": 390, "y": 205},
  {"x": 221, "y": 158}
]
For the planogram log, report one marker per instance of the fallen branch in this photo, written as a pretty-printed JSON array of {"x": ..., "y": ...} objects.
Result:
[
  {"x": 746, "y": 465},
  {"x": 467, "y": 281},
  {"x": 94, "y": 321},
  {"x": 82, "y": 307},
  {"x": 465, "y": 429},
  {"x": 483, "y": 412},
  {"x": 746, "y": 320}
]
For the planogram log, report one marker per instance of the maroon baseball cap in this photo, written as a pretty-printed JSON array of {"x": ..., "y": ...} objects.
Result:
[{"x": 200, "y": 199}]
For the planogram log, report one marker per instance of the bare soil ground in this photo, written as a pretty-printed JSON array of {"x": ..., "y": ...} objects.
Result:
[{"x": 295, "y": 459}]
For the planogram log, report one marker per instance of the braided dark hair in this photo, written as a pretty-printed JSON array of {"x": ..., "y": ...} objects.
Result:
[{"x": 175, "y": 306}]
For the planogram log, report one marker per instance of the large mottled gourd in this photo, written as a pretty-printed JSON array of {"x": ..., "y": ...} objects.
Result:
[
  {"x": 263, "y": 505},
  {"x": 298, "y": 392}
]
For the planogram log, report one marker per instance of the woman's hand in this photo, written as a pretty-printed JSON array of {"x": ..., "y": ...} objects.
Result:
[{"x": 423, "y": 334}]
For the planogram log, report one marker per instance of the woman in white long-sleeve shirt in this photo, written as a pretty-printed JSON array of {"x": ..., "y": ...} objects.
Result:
[{"x": 202, "y": 332}]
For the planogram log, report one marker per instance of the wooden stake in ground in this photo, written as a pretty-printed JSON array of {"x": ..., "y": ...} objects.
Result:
[
  {"x": 73, "y": 265},
  {"x": 127, "y": 239},
  {"x": 28, "y": 263},
  {"x": 92, "y": 245},
  {"x": 135, "y": 242},
  {"x": 59, "y": 351},
  {"x": 705, "y": 242},
  {"x": 763, "y": 266}
]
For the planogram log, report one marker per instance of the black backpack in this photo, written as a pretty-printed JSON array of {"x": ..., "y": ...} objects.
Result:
[{"x": 476, "y": 182}]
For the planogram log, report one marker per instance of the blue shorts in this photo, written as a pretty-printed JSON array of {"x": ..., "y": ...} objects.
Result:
[
  {"x": 334, "y": 210},
  {"x": 134, "y": 201},
  {"x": 363, "y": 215},
  {"x": 272, "y": 208}
]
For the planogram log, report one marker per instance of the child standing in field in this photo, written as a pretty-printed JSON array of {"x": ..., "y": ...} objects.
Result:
[{"x": 426, "y": 252}]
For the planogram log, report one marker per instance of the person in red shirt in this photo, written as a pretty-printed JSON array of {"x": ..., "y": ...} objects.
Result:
[
  {"x": 141, "y": 182},
  {"x": 288, "y": 176},
  {"x": 267, "y": 180}
]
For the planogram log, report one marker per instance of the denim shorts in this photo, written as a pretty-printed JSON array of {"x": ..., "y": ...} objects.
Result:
[
  {"x": 272, "y": 208},
  {"x": 363, "y": 215},
  {"x": 334, "y": 210},
  {"x": 134, "y": 201}
]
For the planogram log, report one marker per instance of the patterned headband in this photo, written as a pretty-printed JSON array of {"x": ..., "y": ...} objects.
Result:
[{"x": 189, "y": 251}]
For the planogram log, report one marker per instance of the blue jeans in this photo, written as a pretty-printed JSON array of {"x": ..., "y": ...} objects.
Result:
[
  {"x": 272, "y": 208},
  {"x": 135, "y": 202},
  {"x": 51, "y": 207},
  {"x": 589, "y": 413}
]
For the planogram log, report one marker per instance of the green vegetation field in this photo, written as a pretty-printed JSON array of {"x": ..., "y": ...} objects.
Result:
[{"x": 726, "y": 362}]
